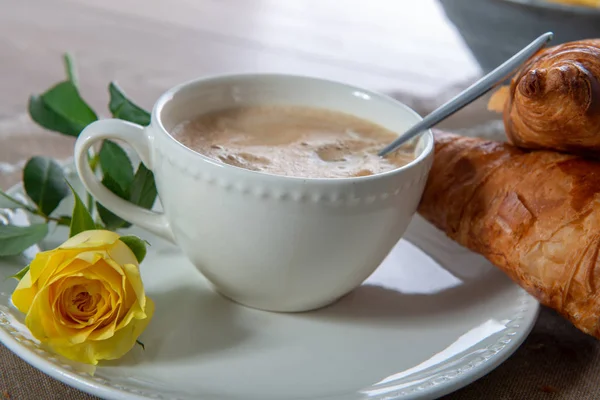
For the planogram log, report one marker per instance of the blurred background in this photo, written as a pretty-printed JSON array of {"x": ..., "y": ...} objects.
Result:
[
  {"x": 422, "y": 52},
  {"x": 418, "y": 49},
  {"x": 496, "y": 29}
]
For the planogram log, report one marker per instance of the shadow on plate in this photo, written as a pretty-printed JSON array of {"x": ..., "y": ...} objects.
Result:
[
  {"x": 187, "y": 322},
  {"x": 379, "y": 304}
]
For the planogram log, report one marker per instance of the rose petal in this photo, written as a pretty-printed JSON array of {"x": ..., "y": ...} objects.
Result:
[
  {"x": 135, "y": 310},
  {"x": 121, "y": 254},
  {"x": 67, "y": 328},
  {"x": 99, "y": 272},
  {"x": 115, "y": 347},
  {"x": 40, "y": 319},
  {"x": 91, "y": 239},
  {"x": 41, "y": 263},
  {"x": 82, "y": 352},
  {"x": 108, "y": 271},
  {"x": 92, "y": 256},
  {"x": 125, "y": 290},
  {"x": 107, "y": 327},
  {"x": 125, "y": 338},
  {"x": 24, "y": 293},
  {"x": 132, "y": 272},
  {"x": 72, "y": 267},
  {"x": 42, "y": 273},
  {"x": 86, "y": 298},
  {"x": 117, "y": 305},
  {"x": 82, "y": 307},
  {"x": 69, "y": 324}
]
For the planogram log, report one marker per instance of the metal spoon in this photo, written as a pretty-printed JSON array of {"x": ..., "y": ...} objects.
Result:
[{"x": 472, "y": 93}]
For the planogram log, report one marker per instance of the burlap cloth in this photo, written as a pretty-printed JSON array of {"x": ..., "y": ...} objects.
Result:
[{"x": 556, "y": 361}]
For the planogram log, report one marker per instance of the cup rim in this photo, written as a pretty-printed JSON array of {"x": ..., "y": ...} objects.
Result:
[{"x": 157, "y": 110}]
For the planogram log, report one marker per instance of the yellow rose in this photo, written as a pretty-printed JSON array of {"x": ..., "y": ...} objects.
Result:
[{"x": 85, "y": 299}]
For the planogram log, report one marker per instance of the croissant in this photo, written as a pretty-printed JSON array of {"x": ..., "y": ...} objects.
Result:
[
  {"x": 585, "y": 3},
  {"x": 553, "y": 101},
  {"x": 534, "y": 215}
]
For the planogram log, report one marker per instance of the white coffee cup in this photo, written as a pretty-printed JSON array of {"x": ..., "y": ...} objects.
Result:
[{"x": 270, "y": 242}]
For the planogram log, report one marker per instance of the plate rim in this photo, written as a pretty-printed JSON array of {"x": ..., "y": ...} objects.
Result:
[{"x": 526, "y": 316}]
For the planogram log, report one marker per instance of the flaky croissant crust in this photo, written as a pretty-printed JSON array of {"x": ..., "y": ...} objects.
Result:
[
  {"x": 535, "y": 215},
  {"x": 554, "y": 100}
]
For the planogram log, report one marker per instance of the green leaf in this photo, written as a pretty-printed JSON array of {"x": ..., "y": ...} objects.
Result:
[
  {"x": 123, "y": 108},
  {"x": 47, "y": 118},
  {"x": 70, "y": 69},
  {"x": 64, "y": 220},
  {"x": 81, "y": 218},
  {"x": 112, "y": 221},
  {"x": 115, "y": 162},
  {"x": 64, "y": 100},
  {"x": 44, "y": 182},
  {"x": 19, "y": 275},
  {"x": 143, "y": 188},
  {"x": 16, "y": 239},
  {"x": 137, "y": 246}
]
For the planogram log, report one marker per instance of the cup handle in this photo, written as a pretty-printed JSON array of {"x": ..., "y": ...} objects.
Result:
[{"x": 135, "y": 136}]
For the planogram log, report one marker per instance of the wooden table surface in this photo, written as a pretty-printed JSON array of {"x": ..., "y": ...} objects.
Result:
[
  {"x": 406, "y": 49},
  {"x": 151, "y": 45}
]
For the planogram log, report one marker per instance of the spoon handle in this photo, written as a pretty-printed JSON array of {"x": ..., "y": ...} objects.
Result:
[{"x": 472, "y": 93}]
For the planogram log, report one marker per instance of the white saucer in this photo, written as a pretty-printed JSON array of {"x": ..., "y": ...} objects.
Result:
[{"x": 432, "y": 319}]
